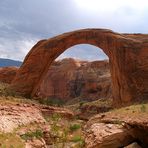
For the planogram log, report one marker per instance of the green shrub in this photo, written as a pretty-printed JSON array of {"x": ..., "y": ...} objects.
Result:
[
  {"x": 143, "y": 108},
  {"x": 55, "y": 117},
  {"x": 77, "y": 139},
  {"x": 29, "y": 135},
  {"x": 51, "y": 101},
  {"x": 81, "y": 104},
  {"x": 74, "y": 127},
  {"x": 6, "y": 91}
]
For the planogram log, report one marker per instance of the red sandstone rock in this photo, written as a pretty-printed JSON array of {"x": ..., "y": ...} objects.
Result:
[
  {"x": 128, "y": 56},
  {"x": 13, "y": 116},
  {"x": 7, "y": 74},
  {"x": 70, "y": 78}
]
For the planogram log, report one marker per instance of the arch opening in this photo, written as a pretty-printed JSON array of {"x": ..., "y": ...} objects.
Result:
[{"x": 84, "y": 52}]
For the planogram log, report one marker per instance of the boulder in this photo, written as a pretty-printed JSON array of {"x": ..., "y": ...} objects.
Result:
[
  {"x": 118, "y": 128},
  {"x": 133, "y": 145},
  {"x": 101, "y": 135}
]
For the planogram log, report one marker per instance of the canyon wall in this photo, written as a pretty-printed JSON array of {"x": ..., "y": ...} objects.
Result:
[{"x": 70, "y": 78}]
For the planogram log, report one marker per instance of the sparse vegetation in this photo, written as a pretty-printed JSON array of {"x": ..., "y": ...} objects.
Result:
[
  {"x": 34, "y": 134},
  {"x": 77, "y": 138},
  {"x": 133, "y": 109},
  {"x": 51, "y": 101},
  {"x": 74, "y": 127},
  {"x": 6, "y": 91},
  {"x": 143, "y": 108},
  {"x": 81, "y": 104},
  {"x": 9, "y": 96},
  {"x": 10, "y": 140},
  {"x": 63, "y": 131}
]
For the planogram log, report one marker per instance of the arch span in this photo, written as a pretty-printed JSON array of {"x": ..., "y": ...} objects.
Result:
[{"x": 123, "y": 51}]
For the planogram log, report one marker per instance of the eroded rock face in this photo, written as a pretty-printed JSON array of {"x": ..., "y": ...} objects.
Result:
[
  {"x": 127, "y": 55},
  {"x": 7, "y": 74},
  {"x": 70, "y": 78}
]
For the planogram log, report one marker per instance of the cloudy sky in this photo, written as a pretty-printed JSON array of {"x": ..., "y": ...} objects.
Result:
[{"x": 24, "y": 22}]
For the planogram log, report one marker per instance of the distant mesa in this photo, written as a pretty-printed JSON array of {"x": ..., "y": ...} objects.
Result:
[{"x": 9, "y": 62}]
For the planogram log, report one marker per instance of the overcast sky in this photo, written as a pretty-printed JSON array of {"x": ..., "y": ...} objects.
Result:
[{"x": 24, "y": 22}]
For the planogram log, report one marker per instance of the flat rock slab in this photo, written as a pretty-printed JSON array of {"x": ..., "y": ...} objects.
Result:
[{"x": 13, "y": 116}]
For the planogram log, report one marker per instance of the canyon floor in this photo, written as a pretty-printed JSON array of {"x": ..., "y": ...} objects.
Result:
[{"x": 29, "y": 123}]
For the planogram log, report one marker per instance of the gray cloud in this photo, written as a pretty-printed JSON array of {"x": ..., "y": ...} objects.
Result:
[{"x": 24, "y": 22}]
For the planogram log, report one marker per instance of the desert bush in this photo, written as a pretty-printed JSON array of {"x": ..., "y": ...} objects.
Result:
[
  {"x": 11, "y": 140},
  {"x": 74, "y": 127},
  {"x": 30, "y": 135},
  {"x": 77, "y": 138},
  {"x": 51, "y": 101},
  {"x": 143, "y": 108},
  {"x": 6, "y": 91}
]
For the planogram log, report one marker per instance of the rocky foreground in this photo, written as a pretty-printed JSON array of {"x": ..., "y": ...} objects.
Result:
[
  {"x": 118, "y": 128},
  {"x": 37, "y": 126},
  {"x": 26, "y": 123}
]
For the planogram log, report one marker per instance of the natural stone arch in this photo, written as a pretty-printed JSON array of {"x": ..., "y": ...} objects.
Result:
[{"x": 123, "y": 51}]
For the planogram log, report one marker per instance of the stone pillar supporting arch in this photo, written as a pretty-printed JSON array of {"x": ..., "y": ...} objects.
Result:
[{"x": 127, "y": 55}]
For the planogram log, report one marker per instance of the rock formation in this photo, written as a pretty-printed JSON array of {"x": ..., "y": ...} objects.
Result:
[
  {"x": 127, "y": 56},
  {"x": 101, "y": 135},
  {"x": 7, "y": 74},
  {"x": 70, "y": 78}
]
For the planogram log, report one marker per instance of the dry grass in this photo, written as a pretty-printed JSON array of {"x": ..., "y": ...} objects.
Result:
[
  {"x": 134, "y": 110},
  {"x": 11, "y": 141},
  {"x": 9, "y": 97}
]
